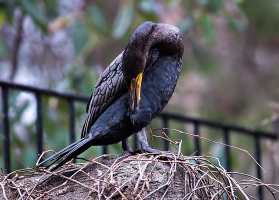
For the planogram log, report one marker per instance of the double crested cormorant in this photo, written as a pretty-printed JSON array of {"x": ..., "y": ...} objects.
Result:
[{"x": 132, "y": 90}]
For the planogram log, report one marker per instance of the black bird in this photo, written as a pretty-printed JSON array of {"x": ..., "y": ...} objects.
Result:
[{"x": 132, "y": 90}]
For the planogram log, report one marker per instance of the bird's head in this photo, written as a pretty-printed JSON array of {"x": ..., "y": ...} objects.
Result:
[{"x": 166, "y": 38}]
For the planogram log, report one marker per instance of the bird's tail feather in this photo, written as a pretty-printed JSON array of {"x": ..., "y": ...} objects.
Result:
[{"x": 66, "y": 154}]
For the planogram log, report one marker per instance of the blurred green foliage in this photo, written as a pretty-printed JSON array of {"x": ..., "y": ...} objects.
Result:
[
  {"x": 37, "y": 10},
  {"x": 99, "y": 31}
]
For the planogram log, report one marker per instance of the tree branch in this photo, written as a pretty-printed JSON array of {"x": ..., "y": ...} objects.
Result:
[{"x": 17, "y": 44}]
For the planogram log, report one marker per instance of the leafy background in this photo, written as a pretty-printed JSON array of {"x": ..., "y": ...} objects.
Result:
[{"x": 230, "y": 66}]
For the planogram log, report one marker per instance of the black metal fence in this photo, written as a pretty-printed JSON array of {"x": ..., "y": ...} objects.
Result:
[{"x": 165, "y": 117}]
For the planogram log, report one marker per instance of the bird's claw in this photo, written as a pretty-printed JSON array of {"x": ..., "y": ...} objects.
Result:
[
  {"x": 127, "y": 153},
  {"x": 147, "y": 149}
]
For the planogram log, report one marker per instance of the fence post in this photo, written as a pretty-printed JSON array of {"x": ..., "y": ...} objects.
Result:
[
  {"x": 166, "y": 125},
  {"x": 39, "y": 123},
  {"x": 135, "y": 139},
  {"x": 257, "y": 146},
  {"x": 6, "y": 129},
  {"x": 104, "y": 149},
  {"x": 71, "y": 111},
  {"x": 276, "y": 125},
  {"x": 197, "y": 139},
  {"x": 227, "y": 149}
]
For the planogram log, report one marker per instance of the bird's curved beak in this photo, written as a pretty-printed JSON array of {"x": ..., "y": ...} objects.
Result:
[{"x": 135, "y": 89}]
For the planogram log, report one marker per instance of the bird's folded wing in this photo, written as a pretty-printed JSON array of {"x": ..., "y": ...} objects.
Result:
[{"x": 109, "y": 86}]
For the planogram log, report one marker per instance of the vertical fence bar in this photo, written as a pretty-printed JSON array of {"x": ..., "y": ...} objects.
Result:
[
  {"x": 135, "y": 139},
  {"x": 257, "y": 146},
  {"x": 227, "y": 149},
  {"x": 104, "y": 149},
  {"x": 197, "y": 139},
  {"x": 39, "y": 124},
  {"x": 71, "y": 111},
  {"x": 276, "y": 126},
  {"x": 6, "y": 129},
  {"x": 166, "y": 125}
]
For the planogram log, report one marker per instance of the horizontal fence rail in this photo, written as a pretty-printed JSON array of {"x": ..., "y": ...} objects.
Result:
[{"x": 166, "y": 117}]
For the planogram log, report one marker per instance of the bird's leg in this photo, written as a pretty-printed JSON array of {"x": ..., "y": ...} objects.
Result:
[
  {"x": 126, "y": 147},
  {"x": 141, "y": 135}
]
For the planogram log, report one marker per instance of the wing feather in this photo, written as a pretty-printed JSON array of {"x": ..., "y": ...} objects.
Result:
[{"x": 109, "y": 86}]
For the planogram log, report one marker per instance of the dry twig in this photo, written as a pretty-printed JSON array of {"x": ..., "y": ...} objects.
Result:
[{"x": 142, "y": 176}]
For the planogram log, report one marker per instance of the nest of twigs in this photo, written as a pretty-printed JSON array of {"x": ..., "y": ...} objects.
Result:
[{"x": 143, "y": 176}]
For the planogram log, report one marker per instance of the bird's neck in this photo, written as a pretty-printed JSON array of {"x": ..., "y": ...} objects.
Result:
[{"x": 166, "y": 38}]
